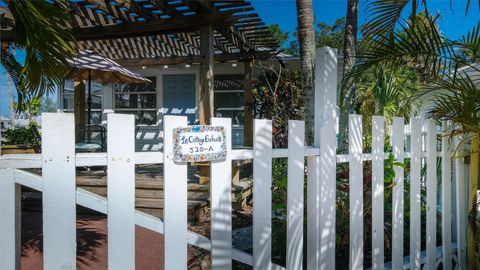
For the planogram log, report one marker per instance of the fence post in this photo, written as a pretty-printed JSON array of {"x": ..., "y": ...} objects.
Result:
[
  {"x": 10, "y": 229},
  {"x": 378, "y": 141},
  {"x": 121, "y": 191},
  {"x": 295, "y": 189},
  {"x": 322, "y": 169},
  {"x": 431, "y": 186},
  {"x": 415, "y": 193},
  {"x": 59, "y": 196},
  {"x": 461, "y": 190},
  {"x": 221, "y": 203},
  {"x": 446, "y": 199},
  {"x": 262, "y": 195},
  {"x": 175, "y": 197},
  {"x": 398, "y": 145}
]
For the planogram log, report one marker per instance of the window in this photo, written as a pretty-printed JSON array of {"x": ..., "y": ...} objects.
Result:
[
  {"x": 228, "y": 97},
  {"x": 97, "y": 93},
  {"x": 139, "y": 99}
]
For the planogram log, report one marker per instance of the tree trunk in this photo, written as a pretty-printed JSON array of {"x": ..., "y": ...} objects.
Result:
[
  {"x": 348, "y": 93},
  {"x": 10, "y": 101},
  {"x": 306, "y": 40}
]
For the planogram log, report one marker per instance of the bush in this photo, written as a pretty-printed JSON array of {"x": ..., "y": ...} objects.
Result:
[{"x": 19, "y": 136}]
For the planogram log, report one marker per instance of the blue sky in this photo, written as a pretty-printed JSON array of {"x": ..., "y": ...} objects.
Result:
[{"x": 453, "y": 21}]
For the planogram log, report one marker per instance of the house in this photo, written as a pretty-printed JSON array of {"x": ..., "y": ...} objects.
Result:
[
  {"x": 4, "y": 122},
  {"x": 197, "y": 54},
  {"x": 174, "y": 89},
  {"x": 426, "y": 102}
]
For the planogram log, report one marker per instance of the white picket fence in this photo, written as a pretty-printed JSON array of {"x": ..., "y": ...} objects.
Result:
[{"x": 60, "y": 195}]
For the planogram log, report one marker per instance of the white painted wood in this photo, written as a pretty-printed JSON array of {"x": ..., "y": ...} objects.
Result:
[
  {"x": 19, "y": 161},
  {"x": 446, "y": 199},
  {"x": 59, "y": 208},
  {"x": 121, "y": 191},
  {"x": 356, "y": 191},
  {"x": 398, "y": 200},
  {"x": 99, "y": 204},
  {"x": 295, "y": 196},
  {"x": 221, "y": 203},
  {"x": 313, "y": 212},
  {"x": 262, "y": 195},
  {"x": 313, "y": 186},
  {"x": 461, "y": 204},
  {"x": 10, "y": 229},
  {"x": 175, "y": 196},
  {"x": 326, "y": 127},
  {"x": 378, "y": 141},
  {"x": 431, "y": 186},
  {"x": 415, "y": 194}
]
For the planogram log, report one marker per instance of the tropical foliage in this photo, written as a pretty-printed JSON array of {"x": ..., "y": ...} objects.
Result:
[{"x": 43, "y": 29}]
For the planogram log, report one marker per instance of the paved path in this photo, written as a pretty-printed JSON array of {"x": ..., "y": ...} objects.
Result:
[{"x": 92, "y": 244}]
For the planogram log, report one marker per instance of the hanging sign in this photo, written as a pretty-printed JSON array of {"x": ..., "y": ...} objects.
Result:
[{"x": 199, "y": 143}]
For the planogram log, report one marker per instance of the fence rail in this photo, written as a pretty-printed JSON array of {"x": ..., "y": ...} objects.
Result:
[{"x": 60, "y": 196}]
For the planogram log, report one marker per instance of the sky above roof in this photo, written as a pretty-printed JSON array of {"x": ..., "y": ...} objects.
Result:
[{"x": 453, "y": 20}]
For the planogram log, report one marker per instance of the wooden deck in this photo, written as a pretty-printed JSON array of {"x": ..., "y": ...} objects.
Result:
[{"x": 149, "y": 190}]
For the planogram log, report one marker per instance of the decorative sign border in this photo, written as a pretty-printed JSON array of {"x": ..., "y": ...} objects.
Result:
[{"x": 177, "y": 146}]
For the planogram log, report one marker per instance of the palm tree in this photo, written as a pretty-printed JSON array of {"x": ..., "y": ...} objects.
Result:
[
  {"x": 43, "y": 29},
  {"x": 10, "y": 101},
  {"x": 347, "y": 94},
  {"x": 306, "y": 39}
]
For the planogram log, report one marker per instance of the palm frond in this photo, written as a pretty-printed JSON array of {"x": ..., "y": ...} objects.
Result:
[
  {"x": 44, "y": 30},
  {"x": 421, "y": 47},
  {"x": 469, "y": 44},
  {"x": 456, "y": 98},
  {"x": 384, "y": 15}
]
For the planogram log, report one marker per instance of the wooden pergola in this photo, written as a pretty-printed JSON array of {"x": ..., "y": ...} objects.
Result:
[{"x": 168, "y": 32}]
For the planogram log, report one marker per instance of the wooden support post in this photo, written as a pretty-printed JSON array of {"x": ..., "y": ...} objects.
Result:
[
  {"x": 79, "y": 109},
  {"x": 205, "y": 102},
  {"x": 205, "y": 106},
  {"x": 248, "y": 100},
  {"x": 472, "y": 198}
]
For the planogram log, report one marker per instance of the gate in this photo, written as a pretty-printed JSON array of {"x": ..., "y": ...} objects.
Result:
[{"x": 61, "y": 196}]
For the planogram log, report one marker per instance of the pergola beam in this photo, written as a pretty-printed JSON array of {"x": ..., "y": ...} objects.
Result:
[
  {"x": 193, "y": 59},
  {"x": 140, "y": 28}
]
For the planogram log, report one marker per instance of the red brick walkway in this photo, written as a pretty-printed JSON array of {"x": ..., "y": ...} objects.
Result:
[{"x": 92, "y": 244}]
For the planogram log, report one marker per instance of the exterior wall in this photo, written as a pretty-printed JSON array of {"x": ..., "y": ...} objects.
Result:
[{"x": 150, "y": 137}]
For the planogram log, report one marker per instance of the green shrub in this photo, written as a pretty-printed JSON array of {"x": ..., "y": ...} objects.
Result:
[{"x": 19, "y": 136}]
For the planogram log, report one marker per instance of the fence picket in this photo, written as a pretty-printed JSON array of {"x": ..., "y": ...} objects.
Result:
[
  {"x": 446, "y": 200},
  {"x": 262, "y": 195},
  {"x": 59, "y": 206},
  {"x": 313, "y": 212},
  {"x": 431, "y": 185},
  {"x": 10, "y": 208},
  {"x": 398, "y": 146},
  {"x": 378, "y": 136},
  {"x": 356, "y": 191},
  {"x": 461, "y": 190},
  {"x": 121, "y": 191},
  {"x": 221, "y": 203},
  {"x": 415, "y": 184},
  {"x": 175, "y": 197},
  {"x": 295, "y": 188},
  {"x": 58, "y": 164}
]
